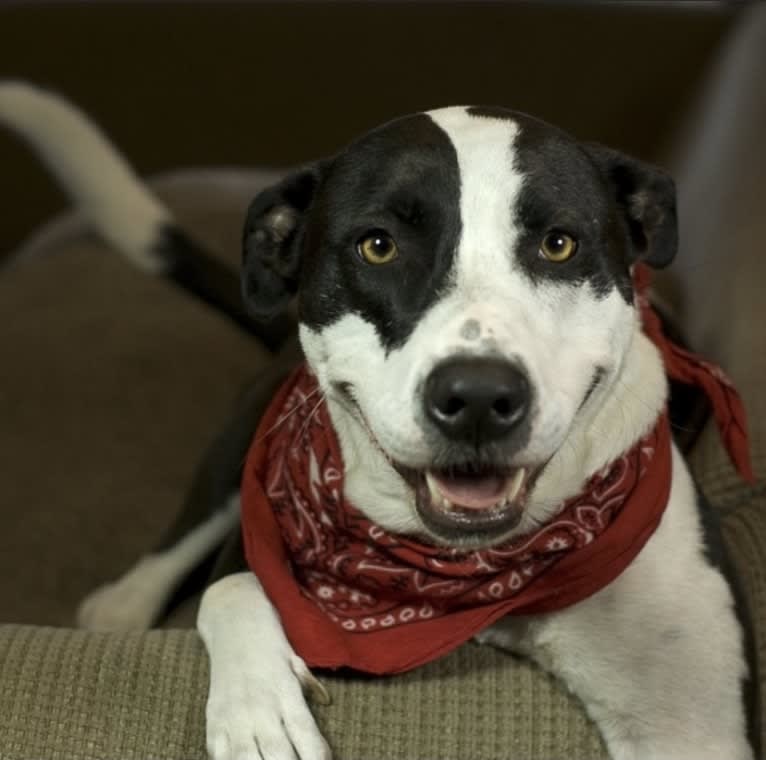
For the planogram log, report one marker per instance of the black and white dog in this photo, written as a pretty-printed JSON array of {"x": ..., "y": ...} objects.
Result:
[{"x": 466, "y": 303}]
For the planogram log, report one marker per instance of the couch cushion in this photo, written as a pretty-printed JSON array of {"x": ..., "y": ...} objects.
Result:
[{"x": 112, "y": 384}]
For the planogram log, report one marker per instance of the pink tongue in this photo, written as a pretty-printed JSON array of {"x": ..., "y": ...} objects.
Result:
[{"x": 477, "y": 492}]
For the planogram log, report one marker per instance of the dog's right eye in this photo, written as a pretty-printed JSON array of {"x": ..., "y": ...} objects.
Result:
[
  {"x": 377, "y": 247},
  {"x": 558, "y": 247}
]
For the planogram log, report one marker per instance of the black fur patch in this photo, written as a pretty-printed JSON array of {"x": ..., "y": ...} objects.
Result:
[
  {"x": 402, "y": 178},
  {"x": 272, "y": 243},
  {"x": 563, "y": 191}
]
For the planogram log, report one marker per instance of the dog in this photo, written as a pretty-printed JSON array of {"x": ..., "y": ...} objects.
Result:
[{"x": 471, "y": 330}]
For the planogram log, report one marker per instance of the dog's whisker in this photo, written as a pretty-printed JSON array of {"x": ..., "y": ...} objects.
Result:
[
  {"x": 632, "y": 391},
  {"x": 281, "y": 421},
  {"x": 311, "y": 416}
]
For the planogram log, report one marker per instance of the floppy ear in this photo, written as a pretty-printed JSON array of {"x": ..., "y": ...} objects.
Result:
[
  {"x": 271, "y": 244},
  {"x": 646, "y": 198}
]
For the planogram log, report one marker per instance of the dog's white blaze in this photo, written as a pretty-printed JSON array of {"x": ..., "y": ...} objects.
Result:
[{"x": 489, "y": 187}]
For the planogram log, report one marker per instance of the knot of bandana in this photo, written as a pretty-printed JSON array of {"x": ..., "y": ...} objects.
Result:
[{"x": 351, "y": 594}]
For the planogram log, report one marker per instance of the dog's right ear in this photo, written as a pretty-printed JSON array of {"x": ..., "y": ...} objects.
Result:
[
  {"x": 272, "y": 241},
  {"x": 646, "y": 197}
]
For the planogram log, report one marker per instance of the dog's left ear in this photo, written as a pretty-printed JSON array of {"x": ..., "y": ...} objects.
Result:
[
  {"x": 272, "y": 242},
  {"x": 646, "y": 198}
]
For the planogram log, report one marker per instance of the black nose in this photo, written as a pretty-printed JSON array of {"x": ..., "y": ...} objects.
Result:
[{"x": 477, "y": 400}]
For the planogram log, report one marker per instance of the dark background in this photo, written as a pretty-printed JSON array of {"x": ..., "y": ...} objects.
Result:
[{"x": 218, "y": 83}]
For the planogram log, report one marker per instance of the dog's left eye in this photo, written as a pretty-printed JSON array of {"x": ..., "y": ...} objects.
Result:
[
  {"x": 558, "y": 246},
  {"x": 377, "y": 247}
]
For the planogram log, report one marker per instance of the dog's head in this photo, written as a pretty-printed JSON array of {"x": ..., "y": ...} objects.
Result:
[{"x": 465, "y": 299}]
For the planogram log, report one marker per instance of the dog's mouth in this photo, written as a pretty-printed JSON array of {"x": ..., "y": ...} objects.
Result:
[
  {"x": 465, "y": 503},
  {"x": 477, "y": 503}
]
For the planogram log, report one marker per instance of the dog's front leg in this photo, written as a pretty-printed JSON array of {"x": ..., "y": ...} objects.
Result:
[
  {"x": 659, "y": 669},
  {"x": 256, "y": 709}
]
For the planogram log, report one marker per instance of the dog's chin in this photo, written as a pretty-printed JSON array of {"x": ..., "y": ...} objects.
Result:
[{"x": 469, "y": 506}]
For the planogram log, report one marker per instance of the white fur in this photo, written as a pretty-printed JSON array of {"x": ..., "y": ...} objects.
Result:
[
  {"x": 135, "y": 600},
  {"x": 633, "y": 397},
  {"x": 656, "y": 656},
  {"x": 256, "y": 709},
  {"x": 89, "y": 168}
]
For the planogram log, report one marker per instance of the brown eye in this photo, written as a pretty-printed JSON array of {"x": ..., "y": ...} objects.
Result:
[
  {"x": 377, "y": 247},
  {"x": 558, "y": 247}
]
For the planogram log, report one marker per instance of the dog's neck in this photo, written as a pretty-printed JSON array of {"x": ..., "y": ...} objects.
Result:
[{"x": 618, "y": 414}]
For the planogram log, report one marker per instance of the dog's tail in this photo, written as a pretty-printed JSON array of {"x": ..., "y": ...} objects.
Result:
[{"x": 119, "y": 205}]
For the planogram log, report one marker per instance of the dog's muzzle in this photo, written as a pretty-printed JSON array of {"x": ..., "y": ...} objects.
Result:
[{"x": 478, "y": 408}]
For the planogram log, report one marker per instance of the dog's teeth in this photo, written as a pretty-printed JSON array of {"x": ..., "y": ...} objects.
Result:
[
  {"x": 437, "y": 497},
  {"x": 433, "y": 489},
  {"x": 516, "y": 483}
]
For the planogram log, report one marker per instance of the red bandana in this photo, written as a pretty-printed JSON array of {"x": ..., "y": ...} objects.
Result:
[{"x": 350, "y": 594}]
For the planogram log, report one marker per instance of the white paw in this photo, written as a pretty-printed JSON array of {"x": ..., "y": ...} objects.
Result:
[
  {"x": 131, "y": 603},
  {"x": 256, "y": 710}
]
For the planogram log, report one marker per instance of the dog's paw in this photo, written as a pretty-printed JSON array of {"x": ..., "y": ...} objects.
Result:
[
  {"x": 259, "y": 712},
  {"x": 129, "y": 604}
]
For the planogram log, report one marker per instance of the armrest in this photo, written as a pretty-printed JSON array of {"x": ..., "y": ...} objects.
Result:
[{"x": 79, "y": 695}]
